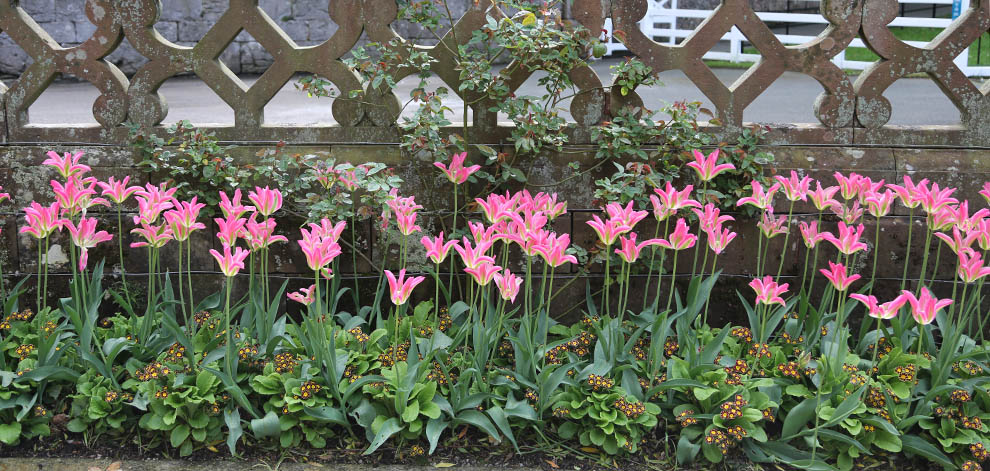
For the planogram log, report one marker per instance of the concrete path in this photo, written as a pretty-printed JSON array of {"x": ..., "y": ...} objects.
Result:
[{"x": 788, "y": 100}]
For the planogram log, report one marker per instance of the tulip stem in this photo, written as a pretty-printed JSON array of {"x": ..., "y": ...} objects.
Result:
[
  {"x": 876, "y": 253},
  {"x": 787, "y": 238},
  {"x": 649, "y": 271},
  {"x": 673, "y": 279},
  {"x": 907, "y": 256}
]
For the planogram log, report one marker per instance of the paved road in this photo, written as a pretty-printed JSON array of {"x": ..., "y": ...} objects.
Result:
[{"x": 788, "y": 100}]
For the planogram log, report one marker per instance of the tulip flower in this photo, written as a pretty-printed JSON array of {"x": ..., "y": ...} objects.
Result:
[
  {"x": 401, "y": 288},
  {"x": 868, "y": 187},
  {"x": 674, "y": 200},
  {"x": 772, "y": 226},
  {"x": 680, "y": 239},
  {"x": 934, "y": 198},
  {"x": 4, "y": 196},
  {"x": 926, "y": 307},
  {"x": 848, "y": 186},
  {"x": 231, "y": 262},
  {"x": 963, "y": 220},
  {"x": 436, "y": 248},
  {"x": 230, "y": 229},
  {"x": 266, "y": 201},
  {"x": 887, "y": 310},
  {"x": 472, "y": 255},
  {"x": 706, "y": 166},
  {"x": 879, "y": 203},
  {"x": 608, "y": 230},
  {"x": 630, "y": 250},
  {"x": 508, "y": 285},
  {"x": 319, "y": 251},
  {"x": 957, "y": 242},
  {"x": 908, "y": 193},
  {"x": 836, "y": 274},
  {"x": 74, "y": 197},
  {"x": 768, "y": 291},
  {"x": 42, "y": 221},
  {"x": 849, "y": 214},
  {"x": 848, "y": 242},
  {"x": 152, "y": 200},
  {"x": 483, "y": 272},
  {"x": 626, "y": 215},
  {"x": 182, "y": 220},
  {"x": 942, "y": 219},
  {"x": 761, "y": 199},
  {"x": 496, "y": 207},
  {"x": 810, "y": 234},
  {"x": 305, "y": 296},
  {"x": 710, "y": 218},
  {"x": 971, "y": 266},
  {"x": 328, "y": 230},
  {"x": 457, "y": 173},
  {"x": 232, "y": 207},
  {"x": 553, "y": 250},
  {"x": 86, "y": 237},
  {"x": 118, "y": 191},
  {"x": 67, "y": 165},
  {"x": 405, "y": 213},
  {"x": 823, "y": 198},
  {"x": 261, "y": 235},
  {"x": 155, "y": 236},
  {"x": 718, "y": 239},
  {"x": 795, "y": 189},
  {"x": 985, "y": 192}
]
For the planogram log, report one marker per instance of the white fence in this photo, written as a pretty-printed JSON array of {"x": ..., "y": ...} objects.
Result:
[{"x": 661, "y": 23}]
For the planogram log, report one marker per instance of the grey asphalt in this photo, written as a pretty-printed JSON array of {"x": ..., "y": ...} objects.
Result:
[{"x": 915, "y": 101}]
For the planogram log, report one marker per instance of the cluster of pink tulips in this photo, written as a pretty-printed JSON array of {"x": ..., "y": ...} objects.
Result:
[{"x": 522, "y": 220}]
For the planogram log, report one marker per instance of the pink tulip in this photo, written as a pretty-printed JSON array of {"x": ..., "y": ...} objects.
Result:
[
  {"x": 481, "y": 233},
  {"x": 152, "y": 200},
  {"x": 230, "y": 229},
  {"x": 942, "y": 219},
  {"x": 508, "y": 285},
  {"x": 680, "y": 239},
  {"x": 457, "y": 173},
  {"x": 848, "y": 186},
  {"x": 74, "y": 197},
  {"x": 182, "y": 220},
  {"x": 400, "y": 288},
  {"x": 327, "y": 229},
  {"x": 261, "y": 235},
  {"x": 4, "y": 196},
  {"x": 810, "y": 234},
  {"x": 879, "y": 203},
  {"x": 926, "y": 307},
  {"x": 319, "y": 251},
  {"x": 550, "y": 207},
  {"x": 230, "y": 262},
  {"x": 795, "y": 189},
  {"x": 983, "y": 235},
  {"x": 68, "y": 165},
  {"x": 971, "y": 266},
  {"x": 85, "y": 237},
  {"x": 836, "y": 274},
  {"x": 706, "y": 166},
  {"x": 718, "y": 239},
  {"x": 608, "y": 230},
  {"x": 957, "y": 242},
  {"x": 768, "y": 291},
  {"x": 710, "y": 217},
  {"x": 232, "y": 207},
  {"x": 963, "y": 220},
  {"x": 349, "y": 178},
  {"x": 772, "y": 226},
  {"x": 673, "y": 200},
  {"x": 848, "y": 242},
  {"x": 483, "y": 272},
  {"x": 154, "y": 236},
  {"x": 553, "y": 250},
  {"x": 266, "y": 201},
  {"x": 868, "y": 187},
  {"x": 849, "y": 214},
  {"x": 527, "y": 219},
  {"x": 630, "y": 250},
  {"x": 985, "y": 192},
  {"x": 42, "y": 221},
  {"x": 405, "y": 212},
  {"x": 497, "y": 207},
  {"x": 761, "y": 199},
  {"x": 887, "y": 310},
  {"x": 305, "y": 296},
  {"x": 823, "y": 198},
  {"x": 934, "y": 198},
  {"x": 626, "y": 215},
  {"x": 473, "y": 255},
  {"x": 436, "y": 248},
  {"x": 908, "y": 193},
  {"x": 118, "y": 191}
]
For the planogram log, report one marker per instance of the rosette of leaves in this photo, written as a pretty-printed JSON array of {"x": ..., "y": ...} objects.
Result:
[
  {"x": 185, "y": 415},
  {"x": 98, "y": 408},
  {"x": 287, "y": 399},
  {"x": 597, "y": 420},
  {"x": 959, "y": 417},
  {"x": 402, "y": 403}
]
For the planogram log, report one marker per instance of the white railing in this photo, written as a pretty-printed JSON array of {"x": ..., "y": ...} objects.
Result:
[{"x": 661, "y": 22}]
